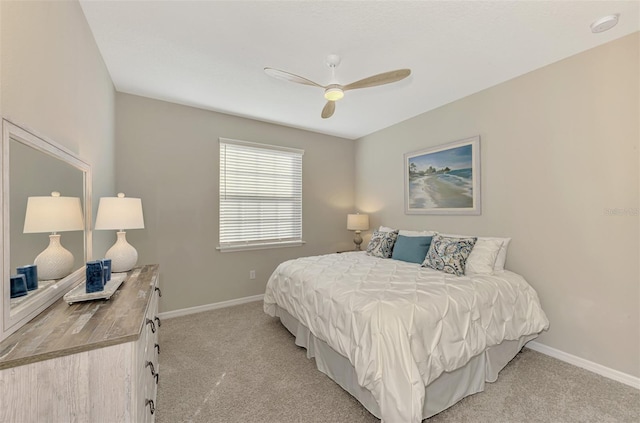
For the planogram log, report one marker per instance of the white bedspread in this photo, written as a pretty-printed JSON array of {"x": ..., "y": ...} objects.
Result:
[{"x": 401, "y": 325}]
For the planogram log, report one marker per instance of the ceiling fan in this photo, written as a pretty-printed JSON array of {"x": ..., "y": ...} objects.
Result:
[{"x": 334, "y": 91}]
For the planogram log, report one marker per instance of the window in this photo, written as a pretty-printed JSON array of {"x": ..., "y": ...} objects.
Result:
[{"x": 260, "y": 196}]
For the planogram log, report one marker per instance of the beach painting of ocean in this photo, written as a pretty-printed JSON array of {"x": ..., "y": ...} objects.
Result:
[{"x": 444, "y": 179}]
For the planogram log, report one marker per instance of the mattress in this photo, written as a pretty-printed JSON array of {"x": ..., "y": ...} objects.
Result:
[{"x": 399, "y": 325}]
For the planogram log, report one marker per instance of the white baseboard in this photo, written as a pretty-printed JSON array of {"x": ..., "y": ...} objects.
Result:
[
  {"x": 586, "y": 364},
  {"x": 207, "y": 307}
]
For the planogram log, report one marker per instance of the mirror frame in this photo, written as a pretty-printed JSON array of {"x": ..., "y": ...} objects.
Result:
[{"x": 14, "y": 319}]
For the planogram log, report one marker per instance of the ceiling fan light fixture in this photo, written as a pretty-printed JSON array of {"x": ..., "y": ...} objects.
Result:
[{"x": 333, "y": 93}]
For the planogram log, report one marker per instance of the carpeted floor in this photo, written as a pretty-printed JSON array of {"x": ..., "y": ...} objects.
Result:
[{"x": 239, "y": 365}]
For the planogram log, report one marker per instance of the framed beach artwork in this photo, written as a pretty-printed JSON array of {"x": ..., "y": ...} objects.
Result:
[{"x": 443, "y": 179}]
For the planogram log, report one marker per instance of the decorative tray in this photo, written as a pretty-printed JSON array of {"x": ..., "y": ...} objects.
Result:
[{"x": 79, "y": 293}]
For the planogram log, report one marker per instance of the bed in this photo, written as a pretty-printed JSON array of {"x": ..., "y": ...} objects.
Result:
[{"x": 405, "y": 340}]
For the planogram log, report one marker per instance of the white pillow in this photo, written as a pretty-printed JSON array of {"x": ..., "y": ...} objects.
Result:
[
  {"x": 483, "y": 256},
  {"x": 502, "y": 254},
  {"x": 416, "y": 233},
  {"x": 385, "y": 229}
]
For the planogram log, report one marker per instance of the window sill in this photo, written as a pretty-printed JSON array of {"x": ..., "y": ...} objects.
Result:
[{"x": 249, "y": 247}]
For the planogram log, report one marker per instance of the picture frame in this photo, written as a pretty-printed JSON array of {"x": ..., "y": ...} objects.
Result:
[{"x": 444, "y": 179}]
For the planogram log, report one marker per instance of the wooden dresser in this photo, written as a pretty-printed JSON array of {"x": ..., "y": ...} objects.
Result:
[{"x": 94, "y": 361}]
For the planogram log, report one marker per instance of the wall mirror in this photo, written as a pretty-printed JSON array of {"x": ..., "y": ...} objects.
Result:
[{"x": 34, "y": 166}]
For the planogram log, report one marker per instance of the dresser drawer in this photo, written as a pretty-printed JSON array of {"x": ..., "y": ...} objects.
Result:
[{"x": 149, "y": 376}]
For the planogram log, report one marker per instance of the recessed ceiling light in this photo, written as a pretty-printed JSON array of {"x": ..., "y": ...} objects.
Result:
[{"x": 604, "y": 24}]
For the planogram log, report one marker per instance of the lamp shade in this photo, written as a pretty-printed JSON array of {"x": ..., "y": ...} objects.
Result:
[
  {"x": 119, "y": 213},
  {"x": 53, "y": 214},
  {"x": 357, "y": 222}
]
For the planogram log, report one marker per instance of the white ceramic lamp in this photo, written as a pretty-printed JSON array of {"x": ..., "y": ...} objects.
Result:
[
  {"x": 53, "y": 214},
  {"x": 120, "y": 213},
  {"x": 357, "y": 223}
]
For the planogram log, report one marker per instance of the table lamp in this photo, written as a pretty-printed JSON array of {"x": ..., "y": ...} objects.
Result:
[
  {"x": 357, "y": 222},
  {"x": 120, "y": 213},
  {"x": 53, "y": 214}
]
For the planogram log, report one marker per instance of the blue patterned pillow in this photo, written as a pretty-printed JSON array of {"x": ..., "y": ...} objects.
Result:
[
  {"x": 381, "y": 244},
  {"x": 449, "y": 255}
]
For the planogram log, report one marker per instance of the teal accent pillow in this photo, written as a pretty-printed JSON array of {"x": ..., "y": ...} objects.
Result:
[{"x": 412, "y": 249}]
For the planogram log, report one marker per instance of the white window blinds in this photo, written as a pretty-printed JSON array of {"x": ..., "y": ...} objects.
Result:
[{"x": 260, "y": 195}]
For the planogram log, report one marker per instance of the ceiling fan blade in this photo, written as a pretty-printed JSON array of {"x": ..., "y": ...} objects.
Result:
[
  {"x": 380, "y": 79},
  {"x": 286, "y": 76},
  {"x": 328, "y": 109}
]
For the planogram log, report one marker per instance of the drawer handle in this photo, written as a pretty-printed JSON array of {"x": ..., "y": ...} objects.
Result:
[
  {"x": 157, "y": 347},
  {"x": 157, "y": 319},
  {"x": 153, "y": 370},
  {"x": 159, "y": 292},
  {"x": 153, "y": 326},
  {"x": 152, "y": 406},
  {"x": 157, "y": 376}
]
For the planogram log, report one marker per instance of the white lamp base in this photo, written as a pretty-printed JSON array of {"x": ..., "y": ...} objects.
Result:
[
  {"x": 55, "y": 262},
  {"x": 123, "y": 256},
  {"x": 357, "y": 239}
]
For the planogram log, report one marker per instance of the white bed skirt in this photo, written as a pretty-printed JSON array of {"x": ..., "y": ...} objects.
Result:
[{"x": 441, "y": 394}]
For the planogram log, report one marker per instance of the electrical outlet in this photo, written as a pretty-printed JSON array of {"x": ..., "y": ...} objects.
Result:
[{"x": 252, "y": 274}]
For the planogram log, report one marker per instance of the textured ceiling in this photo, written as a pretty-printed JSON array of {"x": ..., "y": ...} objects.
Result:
[{"x": 211, "y": 54}]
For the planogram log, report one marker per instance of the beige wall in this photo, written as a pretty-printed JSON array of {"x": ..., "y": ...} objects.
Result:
[
  {"x": 559, "y": 147},
  {"x": 53, "y": 81},
  {"x": 168, "y": 155}
]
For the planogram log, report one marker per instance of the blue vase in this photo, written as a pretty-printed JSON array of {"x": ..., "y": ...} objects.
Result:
[
  {"x": 95, "y": 276},
  {"x": 106, "y": 265},
  {"x": 30, "y": 272},
  {"x": 18, "y": 286}
]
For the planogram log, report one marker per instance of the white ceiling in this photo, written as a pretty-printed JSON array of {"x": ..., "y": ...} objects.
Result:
[{"x": 211, "y": 54}]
